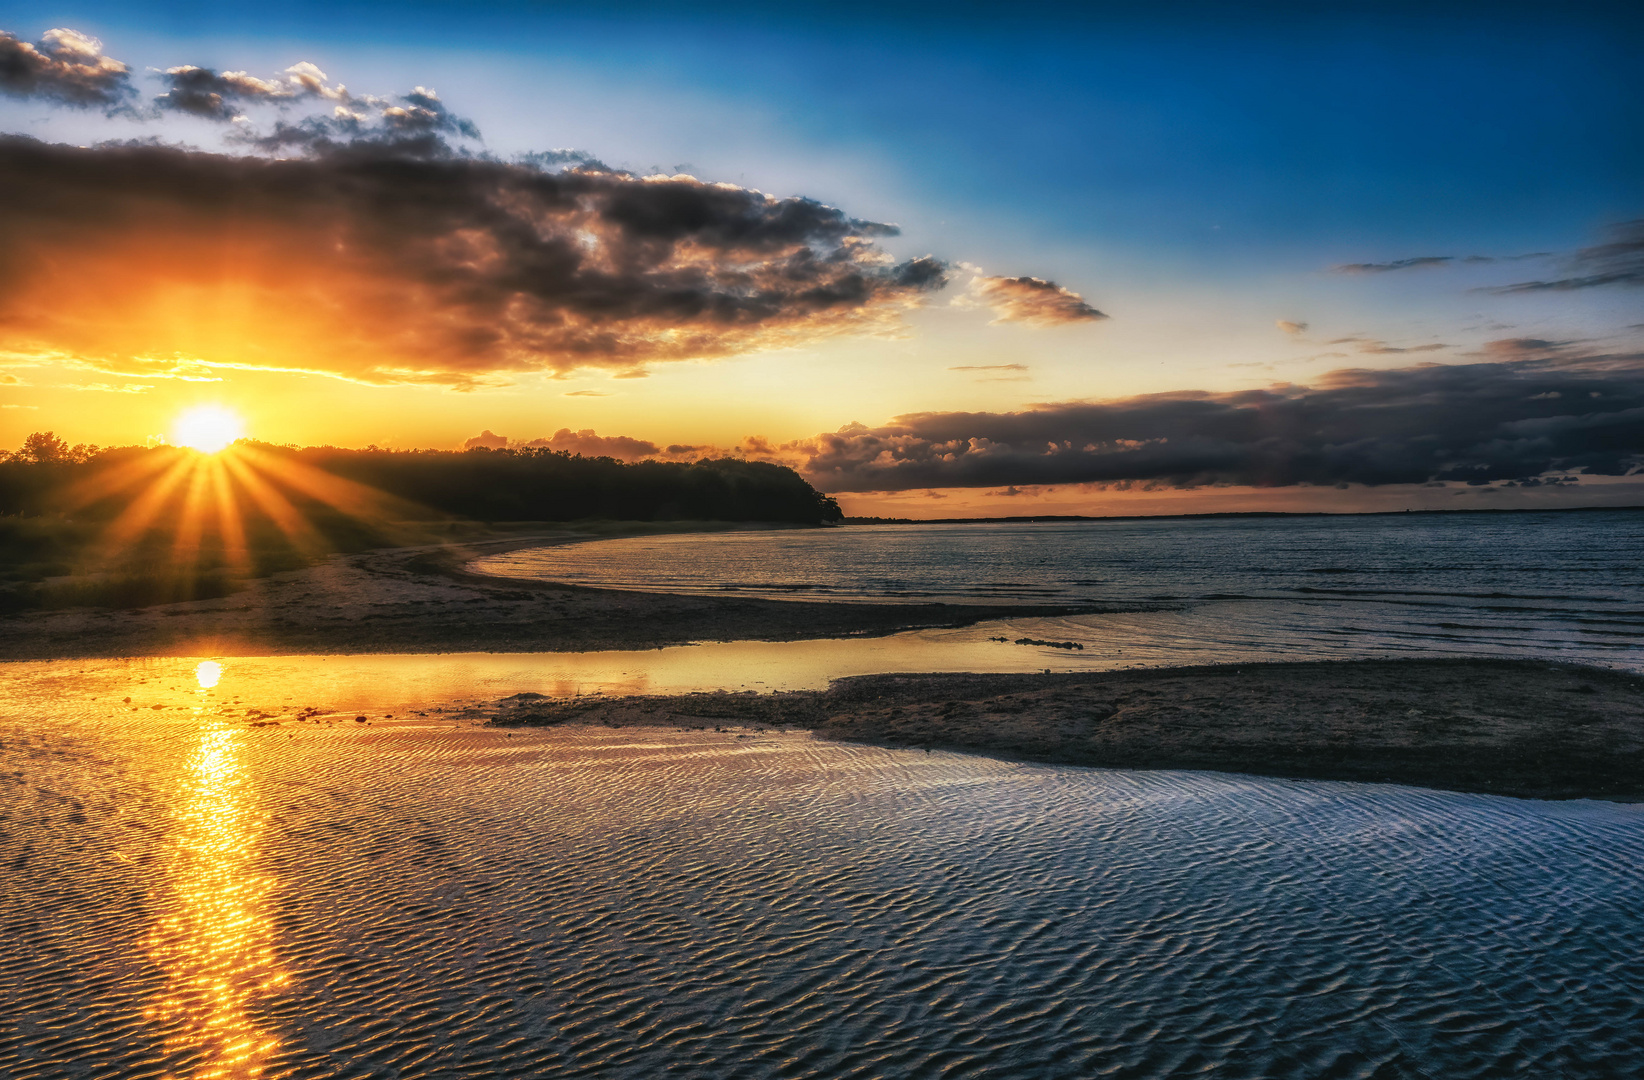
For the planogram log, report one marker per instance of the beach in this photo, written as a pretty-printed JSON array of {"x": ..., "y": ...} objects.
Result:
[
  {"x": 421, "y": 599},
  {"x": 1522, "y": 727},
  {"x": 276, "y": 832}
]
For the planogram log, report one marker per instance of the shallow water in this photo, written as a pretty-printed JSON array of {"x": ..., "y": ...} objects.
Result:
[
  {"x": 189, "y": 895},
  {"x": 1530, "y": 583}
]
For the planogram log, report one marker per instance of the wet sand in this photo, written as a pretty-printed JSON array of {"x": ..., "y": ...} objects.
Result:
[
  {"x": 1526, "y": 728},
  {"x": 1505, "y": 727},
  {"x": 423, "y": 600}
]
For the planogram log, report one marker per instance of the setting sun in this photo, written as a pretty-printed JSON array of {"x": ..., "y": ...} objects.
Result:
[{"x": 208, "y": 428}]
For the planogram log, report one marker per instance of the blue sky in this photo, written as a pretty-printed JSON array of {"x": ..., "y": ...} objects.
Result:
[{"x": 1194, "y": 172}]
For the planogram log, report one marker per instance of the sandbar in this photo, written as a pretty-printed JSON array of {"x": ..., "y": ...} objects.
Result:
[{"x": 1523, "y": 728}]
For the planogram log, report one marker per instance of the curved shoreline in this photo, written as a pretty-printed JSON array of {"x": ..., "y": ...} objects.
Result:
[
  {"x": 425, "y": 600},
  {"x": 1530, "y": 729}
]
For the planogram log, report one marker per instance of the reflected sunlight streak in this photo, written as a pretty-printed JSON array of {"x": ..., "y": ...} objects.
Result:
[{"x": 216, "y": 944}]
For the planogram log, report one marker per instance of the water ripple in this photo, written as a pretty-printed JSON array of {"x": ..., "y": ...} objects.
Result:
[{"x": 448, "y": 901}]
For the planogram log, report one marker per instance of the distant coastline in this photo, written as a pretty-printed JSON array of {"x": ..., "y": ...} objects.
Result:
[{"x": 1032, "y": 518}]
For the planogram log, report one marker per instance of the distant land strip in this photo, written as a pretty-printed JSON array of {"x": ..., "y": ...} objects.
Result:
[
  {"x": 1032, "y": 518},
  {"x": 1523, "y": 728}
]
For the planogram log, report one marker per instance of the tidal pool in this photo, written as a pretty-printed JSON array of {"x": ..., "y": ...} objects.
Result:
[{"x": 197, "y": 891}]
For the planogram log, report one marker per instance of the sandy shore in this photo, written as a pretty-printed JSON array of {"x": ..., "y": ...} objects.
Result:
[
  {"x": 1524, "y": 728},
  {"x": 422, "y": 599}
]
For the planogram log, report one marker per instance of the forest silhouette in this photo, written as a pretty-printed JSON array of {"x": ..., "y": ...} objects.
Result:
[{"x": 129, "y": 526}]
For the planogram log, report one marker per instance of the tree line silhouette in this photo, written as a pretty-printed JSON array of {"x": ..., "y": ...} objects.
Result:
[{"x": 80, "y": 510}]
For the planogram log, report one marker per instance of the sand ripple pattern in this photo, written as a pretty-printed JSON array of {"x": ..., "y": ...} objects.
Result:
[{"x": 451, "y": 901}]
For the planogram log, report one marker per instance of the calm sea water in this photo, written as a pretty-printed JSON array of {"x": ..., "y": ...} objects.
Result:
[
  {"x": 1570, "y": 584},
  {"x": 185, "y": 894}
]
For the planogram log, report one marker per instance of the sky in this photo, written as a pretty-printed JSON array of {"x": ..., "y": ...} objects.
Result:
[{"x": 943, "y": 259}]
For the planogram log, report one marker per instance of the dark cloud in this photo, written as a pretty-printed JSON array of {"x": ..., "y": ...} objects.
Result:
[
  {"x": 202, "y": 92},
  {"x": 421, "y": 112},
  {"x": 403, "y": 260},
  {"x": 554, "y": 159},
  {"x": 1474, "y": 423},
  {"x": 205, "y": 93},
  {"x": 65, "y": 66},
  {"x": 1032, "y": 300},
  {"x": 1620, "y": 261}
]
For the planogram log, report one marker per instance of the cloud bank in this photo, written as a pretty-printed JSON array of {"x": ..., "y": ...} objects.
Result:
[
  {"x": 358, "y": 236},
  {"x": 1527, "y": 410},
  {"x": 400, "y": 260}
]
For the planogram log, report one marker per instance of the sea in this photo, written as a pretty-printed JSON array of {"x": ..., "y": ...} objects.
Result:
[
  {"x": 209, "y": 868},
  {"x": 1565, "y": 585}
]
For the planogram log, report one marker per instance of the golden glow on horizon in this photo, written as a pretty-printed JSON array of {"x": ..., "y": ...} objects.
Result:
[
  {"x": 205, "y": 503},
  {"x": 207, "y": 428}
]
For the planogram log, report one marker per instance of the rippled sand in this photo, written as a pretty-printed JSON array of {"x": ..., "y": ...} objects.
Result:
[{"x": 187, "y": 894}]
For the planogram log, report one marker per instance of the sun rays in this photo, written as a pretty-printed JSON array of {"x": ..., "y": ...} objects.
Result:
[{"x": 225, "y": 507}]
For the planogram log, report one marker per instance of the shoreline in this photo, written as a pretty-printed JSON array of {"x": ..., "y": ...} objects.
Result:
[
  {"x": 1523, "y": 728},
  {"x": 424, "y": 600}
]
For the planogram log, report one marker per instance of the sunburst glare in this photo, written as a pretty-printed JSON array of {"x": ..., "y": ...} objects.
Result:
[{"x": 207, "y": 428}]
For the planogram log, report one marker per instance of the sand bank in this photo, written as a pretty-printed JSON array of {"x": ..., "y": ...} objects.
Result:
[
  {"x": 423, "y": 600},
  {"x": 1505, "y": 727}
]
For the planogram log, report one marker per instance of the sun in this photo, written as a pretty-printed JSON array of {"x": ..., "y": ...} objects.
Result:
[{"x": 207, "y": 428}]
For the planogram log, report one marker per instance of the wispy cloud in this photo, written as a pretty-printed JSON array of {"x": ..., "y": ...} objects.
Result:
[
  {"x": 1377, "y": 347},
  {"x": 1397, "y": 264},
  {"x": 1290, "y": 327},
  {"x": 1620, "y": 261},
  {"x": 1430, "y": 261},
  {"x": 996, "y": 372},
  {"x": 1030, "y": 300},
  {"x": 108, "y": 388}
]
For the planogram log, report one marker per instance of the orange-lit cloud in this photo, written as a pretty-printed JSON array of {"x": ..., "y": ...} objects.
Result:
[
  {"x": 403, "y": 262},
  {"x": 1031, "y": 300}
]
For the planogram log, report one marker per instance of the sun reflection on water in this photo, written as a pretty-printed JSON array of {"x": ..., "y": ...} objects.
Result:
[{"x": 216, "y": 940}]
